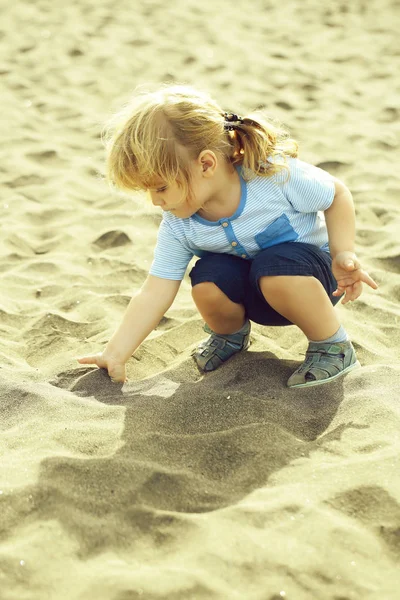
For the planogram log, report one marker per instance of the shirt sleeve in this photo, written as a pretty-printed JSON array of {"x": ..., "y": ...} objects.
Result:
[
  {"x": 171, "y": 256},
  {"x": 309, "y": 189}
]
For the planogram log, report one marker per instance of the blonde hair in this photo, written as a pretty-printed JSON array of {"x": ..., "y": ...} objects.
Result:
[{"x": 156, "y": 135}]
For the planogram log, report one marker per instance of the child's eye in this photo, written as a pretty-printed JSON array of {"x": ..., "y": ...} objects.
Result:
[{"x": 161, "y": 190}]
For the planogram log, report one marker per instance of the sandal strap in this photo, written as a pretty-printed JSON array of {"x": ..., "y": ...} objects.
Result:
[
  {"x": 211, "y": 353},
  {"x": 326, "y": 358},
  {"x": 324, "y": 361}
]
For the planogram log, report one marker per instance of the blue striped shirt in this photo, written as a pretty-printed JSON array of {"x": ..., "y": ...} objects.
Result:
[{"x": 271, "y": 211}]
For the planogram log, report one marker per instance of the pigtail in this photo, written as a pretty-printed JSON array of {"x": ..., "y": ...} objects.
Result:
[{"x": 259, "y": 144}]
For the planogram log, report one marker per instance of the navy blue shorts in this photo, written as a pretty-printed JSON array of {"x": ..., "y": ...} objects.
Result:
[{"x": 238, "y": 277}]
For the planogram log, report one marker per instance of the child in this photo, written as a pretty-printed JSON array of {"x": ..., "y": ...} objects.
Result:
[{"x": 234, "y": 194}]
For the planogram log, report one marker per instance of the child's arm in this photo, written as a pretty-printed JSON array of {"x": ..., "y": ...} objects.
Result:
[
  {"x": 143, "y": 314},
  {"x": 340, "y": 222}
]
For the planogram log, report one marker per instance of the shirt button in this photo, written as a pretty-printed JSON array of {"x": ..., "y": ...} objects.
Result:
[
  {"x": 225, "y": 224},
  {"x": 244, "y": 256},
  {"x": 234, "y": 244}
]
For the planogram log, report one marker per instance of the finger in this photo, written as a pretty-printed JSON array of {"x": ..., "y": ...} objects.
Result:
[
  {"x": 344, "y": 281},
  {"x": 347, "y": 296},
  {"x": 341, "y": 286},
  {"x": 350, "y": 264},
  {"x": 356, "y": 291},
  {"x": 339, "y": 291},
  {"x": 87, "y": 360},
  {"x": 353, "y": 292},
  {"x": 345, "y": 299},
  {"x": 368, "y": 280}
]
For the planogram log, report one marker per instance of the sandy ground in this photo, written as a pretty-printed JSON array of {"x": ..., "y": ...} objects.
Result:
[{"x": 181, "y": 486}]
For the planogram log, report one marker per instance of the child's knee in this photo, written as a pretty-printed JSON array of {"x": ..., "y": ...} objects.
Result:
[
  {"x": 209, "y": 297},
  {"x": 207, "y": 292}
]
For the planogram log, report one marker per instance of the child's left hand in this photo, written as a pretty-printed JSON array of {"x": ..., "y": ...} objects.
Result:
[{"x": 349, "y": 275}]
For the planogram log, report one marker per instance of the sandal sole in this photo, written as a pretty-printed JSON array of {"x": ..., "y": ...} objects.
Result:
[
  {"x": 355, "y": 365},
  {"x": 222, "y": 361}
]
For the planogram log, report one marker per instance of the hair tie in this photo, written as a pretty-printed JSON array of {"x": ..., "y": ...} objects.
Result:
[{"x": 231, "y": 121}]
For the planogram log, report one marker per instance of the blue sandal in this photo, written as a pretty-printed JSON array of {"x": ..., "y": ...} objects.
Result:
[
  {"x": 218, "y": 348},
  {"x": 323, "y": 363}
]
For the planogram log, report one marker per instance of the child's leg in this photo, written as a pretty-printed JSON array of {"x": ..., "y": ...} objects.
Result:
[
  {"x": 218, "y": 311},
  {"x": 219, "y": 285},
  {"x": 225, "y": 320},
  {"x": 303, "y": 301},
  {"x": 296, "y": 281}
]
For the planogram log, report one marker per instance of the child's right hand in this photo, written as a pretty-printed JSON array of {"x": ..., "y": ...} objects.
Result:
[
  {"x": 116, "y": 369},
  {"x": 350, "y": 276}
]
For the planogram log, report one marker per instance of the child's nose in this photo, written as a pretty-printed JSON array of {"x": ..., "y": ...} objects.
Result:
[{"x": 157, "y": 201}]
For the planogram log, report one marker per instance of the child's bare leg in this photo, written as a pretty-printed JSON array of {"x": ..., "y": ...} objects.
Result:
[
  {"x": 303, "y": 301},
  {"x": 219, "y": 312},
  {"x": 230, "y": 331}
]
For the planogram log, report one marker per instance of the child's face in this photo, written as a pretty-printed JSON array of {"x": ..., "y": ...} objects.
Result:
[{"x": 169, "y": 197}]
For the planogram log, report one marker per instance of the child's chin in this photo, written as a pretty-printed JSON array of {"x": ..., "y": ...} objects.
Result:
[{"x": 181, "y": 214}]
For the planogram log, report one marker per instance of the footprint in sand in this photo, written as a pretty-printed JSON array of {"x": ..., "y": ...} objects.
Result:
[
  {"x": 46, "y": 157},
  {"x": 284, "y": 105},
  {"x": 25, "y": 180},
  {"x": 391, "y": 263},
  {"x": 390, "y": 114},
  {"x": 333, "y": 166},
  {"x": 112, "y": 239},
  {"x": 375, "y": 509}
]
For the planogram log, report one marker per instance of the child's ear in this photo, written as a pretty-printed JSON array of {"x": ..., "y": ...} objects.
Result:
[
  {"x": 205, "y": 163},
  {"x": 208, "y": 161},
  {"x": 208, "y": 164}
]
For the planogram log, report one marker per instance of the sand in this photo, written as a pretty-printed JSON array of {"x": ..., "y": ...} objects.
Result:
[{"x": 177, "y": 485}]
